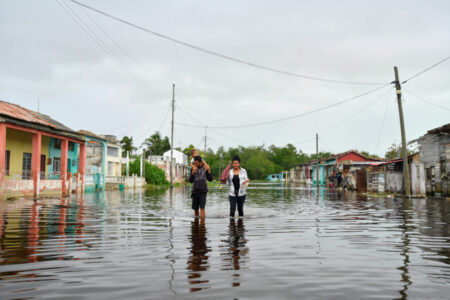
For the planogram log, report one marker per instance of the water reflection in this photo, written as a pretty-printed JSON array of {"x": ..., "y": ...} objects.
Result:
[
  {"x": 406, "y": 240},
  {"x": 348, "y": 245},
  {"x": 197, "y": 262},
  {"x": 234, "y": 250}
]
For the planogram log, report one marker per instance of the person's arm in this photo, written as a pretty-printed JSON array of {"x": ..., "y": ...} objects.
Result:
[
  {"x": 208, "y": 173},
  {"x": 209, "y": 176},
  {"x": 229, "y": 178},
  {"x": 192, "y": 176},
  {"x": 246, "y": 179}
]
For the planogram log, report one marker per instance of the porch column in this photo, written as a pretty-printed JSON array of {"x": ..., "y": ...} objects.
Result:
[
  {"x": 36, "y": 162},
  {"x": 63, "y": 176},
  {"x": 2, "y": 156},
  {"x": 82, "y": 164}
]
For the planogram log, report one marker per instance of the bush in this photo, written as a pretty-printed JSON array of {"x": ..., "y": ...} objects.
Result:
[{"x": 153, "y": 174}]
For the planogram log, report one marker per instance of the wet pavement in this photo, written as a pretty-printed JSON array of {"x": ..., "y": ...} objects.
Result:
[{"x": 293, "y": 243}]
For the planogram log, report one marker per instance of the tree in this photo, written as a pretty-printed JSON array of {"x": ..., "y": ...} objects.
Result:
[
  {"x": 156, "y": 145},
  {"x": 366, "y": 153},
  {"x": 127, "y": 145},
  {"x": 395, "y": 151},
  {"x": 188, "y": 150}
]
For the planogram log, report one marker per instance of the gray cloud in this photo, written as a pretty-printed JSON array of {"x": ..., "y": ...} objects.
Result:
[{"x": 45, "y": 55}]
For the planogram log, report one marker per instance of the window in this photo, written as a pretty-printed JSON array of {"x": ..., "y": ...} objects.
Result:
[
  {"x": 71, "y": 146},
  {"x": 57, "y": 143},
  {"x": 112, "y": 151},
  {"x": 7, "y": 159},
  {"x": 43, "y": 164},
  {"x": 26, "y": 166},
  {"x": 56, "y": 164}
]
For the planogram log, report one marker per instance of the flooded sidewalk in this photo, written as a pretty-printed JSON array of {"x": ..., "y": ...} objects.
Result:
[{"x": 293, "y": 243}]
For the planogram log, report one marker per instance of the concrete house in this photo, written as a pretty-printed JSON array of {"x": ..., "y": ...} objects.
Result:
[
  {"x": 38, "y": 155},
  {"x": 388, "y": 176},
  {"x": 434, "y": 149}
]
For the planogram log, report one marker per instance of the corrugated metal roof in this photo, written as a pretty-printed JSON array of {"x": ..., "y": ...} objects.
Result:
[{"x": 21, "y": 113}]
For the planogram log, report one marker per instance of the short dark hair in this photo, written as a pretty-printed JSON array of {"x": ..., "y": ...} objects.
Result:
[
  {"x": 198, "y": 158},
  {"x": 236, "y": 157}
]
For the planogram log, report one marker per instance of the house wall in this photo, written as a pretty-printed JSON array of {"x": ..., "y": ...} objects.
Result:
[
  {"x": 321, "y": 174},
  {"x": 394, "y": 181},
  {"x": 113, "y": 163},
  {"x": 180, "y": 157},
  {"x": 72, "y": 155},
  {"x": 417, "y": 170},
  {"x": 435, "y": 155},
  {"x": 18, "y": 142}
]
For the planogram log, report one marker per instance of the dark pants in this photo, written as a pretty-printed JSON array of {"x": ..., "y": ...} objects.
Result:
[{"x": 240, "y": 204}]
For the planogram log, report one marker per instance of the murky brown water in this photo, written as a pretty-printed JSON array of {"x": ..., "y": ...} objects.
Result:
[{"x": 292, "y": 244}]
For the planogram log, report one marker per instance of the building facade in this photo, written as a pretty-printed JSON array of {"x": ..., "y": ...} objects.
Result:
[
  {"x": 434, "y": 148},
  {"x": 27, "y": 155}
]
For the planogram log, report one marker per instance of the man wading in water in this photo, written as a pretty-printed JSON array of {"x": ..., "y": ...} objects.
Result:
[{"x": 199, "y": 174}]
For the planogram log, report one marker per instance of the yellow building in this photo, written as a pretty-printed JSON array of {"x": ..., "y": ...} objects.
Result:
[{"x": 18, "y": 154}]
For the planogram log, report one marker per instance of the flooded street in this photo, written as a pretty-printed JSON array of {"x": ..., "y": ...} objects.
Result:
[{"x": 293, "y": 243}]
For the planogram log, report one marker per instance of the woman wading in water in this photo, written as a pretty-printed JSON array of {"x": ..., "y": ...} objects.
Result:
[{"x": 237, "y": 181}]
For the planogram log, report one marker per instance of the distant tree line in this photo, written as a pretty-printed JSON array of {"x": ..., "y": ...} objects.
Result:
[{"x": 259, "y": 161}]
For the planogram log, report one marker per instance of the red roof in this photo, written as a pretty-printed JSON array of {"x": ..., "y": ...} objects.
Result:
[
  {"x": 351, "y": 155},
  {"x": 20, "y": 113}
]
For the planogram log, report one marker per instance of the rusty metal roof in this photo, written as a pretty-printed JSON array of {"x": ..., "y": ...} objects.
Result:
[
  {"x": 443, "y": 129},
  {"x": 21, "y": 113},
  {"x": 14, "y": 113}
]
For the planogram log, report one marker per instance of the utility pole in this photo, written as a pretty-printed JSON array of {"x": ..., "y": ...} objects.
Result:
[
  {"x": 38, "y": 105},
  {"x": 206, "y": 135},
  {"x": 171, "y": 136},
  {"x": 398, "y": 89},
  {"x": 317, "y": 157},
  {"x": 220, "y": 166},
  {"x": 142, "y": 163},
  {"x": 128, "y": 163}
]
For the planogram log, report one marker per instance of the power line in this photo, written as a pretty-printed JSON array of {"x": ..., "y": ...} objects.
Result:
[
  {"x": 124, "y": 52},
  {"x": 233, "y": 59},
  {"x": 427, "y": 69},
  {"x": 290, "y": 117},
  {"x": 200, "y": 122},
  {"x": 425, "y": 100},
  {"x": 382, "y": 124},
  {"x": 373, "y": 101},
  {"x": 102, "y": 45}
]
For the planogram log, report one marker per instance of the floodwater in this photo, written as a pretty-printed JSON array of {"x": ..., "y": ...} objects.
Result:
[{"x": 293, "y": 243}]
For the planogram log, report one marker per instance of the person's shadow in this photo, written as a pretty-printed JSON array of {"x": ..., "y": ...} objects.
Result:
[
  {"x": 235, "y": 250},
  {"x": 197, "y": 262}
]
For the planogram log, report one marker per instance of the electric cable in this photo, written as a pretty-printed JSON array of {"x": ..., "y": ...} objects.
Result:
[
  {"x": 382, "y": 124},
  {"x": 102, "y": 45},
  {"x": 427, "y": 69},
  {"x": 233, "y": 59},
  {"x": 290, "y": 117},
  {"x": 425, "y": 100}
]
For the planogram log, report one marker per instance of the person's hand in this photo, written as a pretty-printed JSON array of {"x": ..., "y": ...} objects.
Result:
[
  {"x": 194, "y": 169},
  {"x": 245, "y": 181},
  {"x": 207, "y": 168}
]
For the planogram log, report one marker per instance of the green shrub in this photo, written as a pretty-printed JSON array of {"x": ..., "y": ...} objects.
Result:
[{"x": 153, "y": 174}]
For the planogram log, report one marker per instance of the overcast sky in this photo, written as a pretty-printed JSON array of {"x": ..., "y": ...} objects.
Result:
[{"x": 118, "y": 80}]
